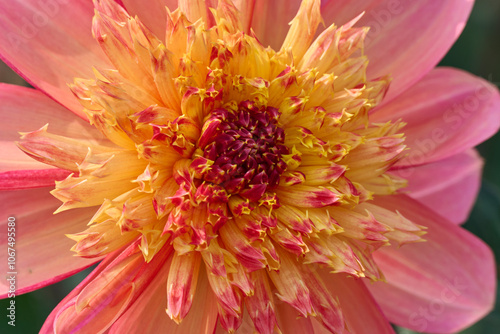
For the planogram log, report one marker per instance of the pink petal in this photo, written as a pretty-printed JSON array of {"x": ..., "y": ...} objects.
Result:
[
  {"x": 43, "y": 253},
  {"x": 270, "y": 19},
  {"x": 48, "y": 326},
  {"x": 407, "y": 38},
  {"x": 447, "y": 112},
  {"x": 200, "y": 9},
  {"x": 23, "y": 179},
  {"x": 104, "y": 299},
  {"x": 247, "y": 10},
  {"x": 448, "y": 186},
  {"x": 356, "y": 303},
  {"x": 151, "y": 305},
  {"x": 289, "y": 320},
  {"x": 442, "y": 285},
  {"x": 25, "y": 109},
  {"x": 49, "y": 43},
  {"x": 152, "y": 13}
]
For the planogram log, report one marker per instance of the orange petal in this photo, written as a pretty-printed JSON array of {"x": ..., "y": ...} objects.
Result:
[{"x": 303, "y": 28}]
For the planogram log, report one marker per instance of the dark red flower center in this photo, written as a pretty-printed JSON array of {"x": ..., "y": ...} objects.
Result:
[{"x": 246, "y": 148}]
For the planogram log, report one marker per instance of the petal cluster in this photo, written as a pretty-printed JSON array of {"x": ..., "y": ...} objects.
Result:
[{"x": 230, "y": 172}]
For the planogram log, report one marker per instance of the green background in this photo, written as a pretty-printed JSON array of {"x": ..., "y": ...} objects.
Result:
[{"x": 477, "y": 51}]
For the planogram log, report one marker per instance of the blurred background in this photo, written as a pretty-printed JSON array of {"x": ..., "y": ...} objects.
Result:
[{"x": 476, "y": 51}]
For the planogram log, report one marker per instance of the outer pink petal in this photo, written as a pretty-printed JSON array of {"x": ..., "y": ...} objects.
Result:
[
  {"x": 25, "y": 179},
  {"x": 24, "y": 110},
  {"x": 152, "y": 13},
  {"x": 357, "y": 303},
  {"x": 43, "y": 253},
  {"x": 407, "y": 38},
  {"x": 442, "y": 285},
  {"x": 269, "y": 19},
  {"x": 111, "y": 293},
  {"x": 247, "y": 10},
  {"x": 447, "y": 112},
  {"x": 48, "y": 326},
  {"x": 49, "y": 43},
  {"x": 202, "y": 317},
  {"x": 449, "y": 186}
]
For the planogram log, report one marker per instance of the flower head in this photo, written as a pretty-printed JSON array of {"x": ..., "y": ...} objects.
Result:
[{"x": 231, "y": 181}]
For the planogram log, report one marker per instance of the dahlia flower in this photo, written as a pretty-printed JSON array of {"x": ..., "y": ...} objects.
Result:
[{"x": 233, "y": 172}]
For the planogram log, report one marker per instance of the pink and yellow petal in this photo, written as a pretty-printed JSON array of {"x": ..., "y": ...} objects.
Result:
[
  {"x": 151, "y": 305},
  {"x": 302, "y": 29},
  {"x": 346, "y": 289},
  {"x": 406, "y": 38},
  {"x": 37, "y": 110},
  {"x": 49, "y": 325},
  {"x": 104, "y": 299},
  {"x": 181, "y": 284}
]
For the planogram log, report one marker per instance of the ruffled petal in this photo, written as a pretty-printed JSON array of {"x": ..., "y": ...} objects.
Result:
[
  {"x": 43, "y": 253},
  {"x": 442, "y": 285},
  {"x": 37, "y": 110},
  {"x": 447, "y": 112},
  {"x": 448, "y": 186},
  {"x": 49, "y": 43},
  {"x": 407, "y": 38}
]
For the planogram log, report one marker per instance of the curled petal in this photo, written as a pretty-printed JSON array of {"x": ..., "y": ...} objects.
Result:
[
  {"x": 302, "y": 28},
  {"x": 181, "y": 284},
  {"x": 292, "y": 289},
  {"x": 260, "y": 305},
  {"x": 38, "y": 110}
]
